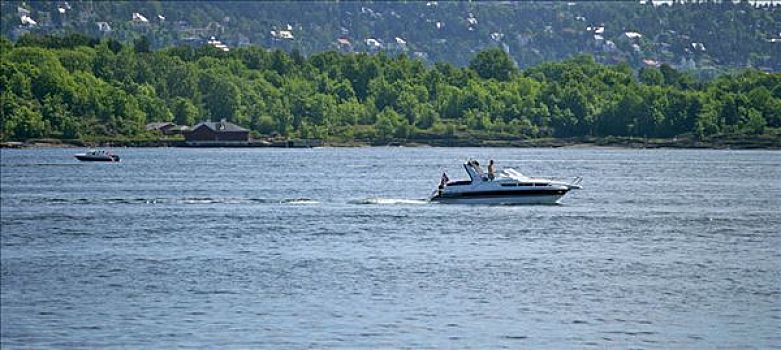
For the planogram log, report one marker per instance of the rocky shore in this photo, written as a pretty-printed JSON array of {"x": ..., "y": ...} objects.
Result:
[{"x": 771, "y": 141}]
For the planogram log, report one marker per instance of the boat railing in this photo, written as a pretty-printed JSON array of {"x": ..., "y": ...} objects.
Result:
[{"x": 569, "y": 180}]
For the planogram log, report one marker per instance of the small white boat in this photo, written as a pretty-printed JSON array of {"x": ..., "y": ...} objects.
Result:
[
  {"x": 97, "y": 156},
  {"x": 508, "y": 187}
]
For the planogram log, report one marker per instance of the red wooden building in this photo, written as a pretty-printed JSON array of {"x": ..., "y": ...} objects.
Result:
[{"x": 216, "y": 132}]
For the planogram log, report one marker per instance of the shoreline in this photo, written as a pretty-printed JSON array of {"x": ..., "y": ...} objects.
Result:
[{"x": 768, "y": 142}]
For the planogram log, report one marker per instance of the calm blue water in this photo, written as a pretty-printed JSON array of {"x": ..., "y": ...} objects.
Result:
[{"x": 333, "y": 248}]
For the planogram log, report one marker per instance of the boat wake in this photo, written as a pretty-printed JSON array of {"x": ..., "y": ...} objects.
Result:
[
  {"x": 205, "y": 201},
  {"x": 39, "y": 164},
  {"x": 184, "y": 200},
  {"x": 299, "y": 201},
  {"x": 390, "y": 201}
]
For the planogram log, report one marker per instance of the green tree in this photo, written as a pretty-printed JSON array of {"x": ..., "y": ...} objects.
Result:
[
  {"x": 266, "y": 124},
  {"x": 754, "y": 123},
  {"x": 650, "y": 76},
  {"x": 221, "y": 97},
  {"x": 24, "y": 123},
  {"x": 141, "y": 45},
  {"x": 426, "y": 116},
  {"x": 493, "y": 64},
  {"x": 768, "y": 106},
  {"x": 154, "y": 108},
  {"x": 388, "y": 122},
  {"x": 184, "y": 112}
]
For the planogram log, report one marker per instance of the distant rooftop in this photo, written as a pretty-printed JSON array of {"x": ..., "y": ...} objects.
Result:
[{"x": 222, "y": 125}]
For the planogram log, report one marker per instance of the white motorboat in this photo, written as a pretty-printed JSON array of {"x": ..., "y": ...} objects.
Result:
[
  {"x": 507, "y": 187},
  {"x": 97, "y": 156}
]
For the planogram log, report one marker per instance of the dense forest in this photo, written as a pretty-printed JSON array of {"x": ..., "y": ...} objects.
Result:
[
  {"x": 78, "y": 87},
  {"x": 707, "y": 36}
]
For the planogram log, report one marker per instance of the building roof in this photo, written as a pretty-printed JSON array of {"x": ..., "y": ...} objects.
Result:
[
  {"x": 179, "y": 128},
  {"x": 26, "y": 20},
  {"x": 651, "y": 63},
  {"x": 372, "y": 42},
  {"x": 218, "y": 44},
  {"x": 286, "y": 34},
  {"x": 220, "y": 126},
  {"x": 282, "y": 34},
  {"x": 137, "y": 17},
  {"x": 103, "y": 26},
  {"x": 633, "y": 35},
  {"x": 158, "y": 125},
  {"x": 698, "y": 46}
]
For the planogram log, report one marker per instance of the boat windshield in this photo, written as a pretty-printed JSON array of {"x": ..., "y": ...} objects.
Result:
[
  {"x": 474, "y": 171},
  {"x": 512, "y": 174}
]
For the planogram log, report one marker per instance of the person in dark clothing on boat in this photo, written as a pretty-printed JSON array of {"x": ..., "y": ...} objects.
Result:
[
  {"x": 443, "y": 181},
  {"x": 491, "y": 170}
]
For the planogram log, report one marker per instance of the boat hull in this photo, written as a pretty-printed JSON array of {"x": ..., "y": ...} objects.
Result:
[
  {"x": 85, "y": 158},
  {"x": 548, "y": 196},
  {"x": 507, "y": 200}
]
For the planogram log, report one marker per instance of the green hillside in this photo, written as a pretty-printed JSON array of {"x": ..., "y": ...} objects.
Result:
[{"x": 77, "y": 87}]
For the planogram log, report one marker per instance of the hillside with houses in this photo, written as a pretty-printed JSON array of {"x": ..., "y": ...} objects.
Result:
[{"x": 706, "y": 38}]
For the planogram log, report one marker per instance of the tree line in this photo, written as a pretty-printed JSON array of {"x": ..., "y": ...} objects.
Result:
[{"x": 74, "y": 86}]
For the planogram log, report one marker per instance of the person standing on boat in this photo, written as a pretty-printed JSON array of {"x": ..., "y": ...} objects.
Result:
[
  {"x": 442, "y": 184},
  {"x": 491, "y": 170},
  {"x": 443, "y": 181}
]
